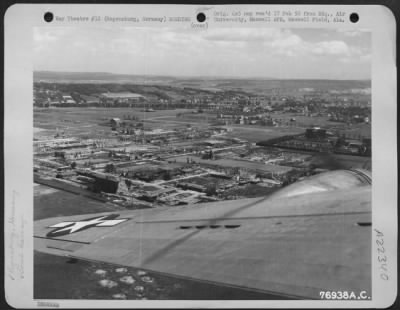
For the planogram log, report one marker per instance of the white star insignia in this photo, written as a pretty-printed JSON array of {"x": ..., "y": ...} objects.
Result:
[{"x": 65, "y": 228}]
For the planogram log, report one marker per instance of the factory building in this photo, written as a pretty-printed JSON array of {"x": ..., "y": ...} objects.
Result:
[
  {"x": 102, "y": 182},
  {"x": 315, "y": 133}
]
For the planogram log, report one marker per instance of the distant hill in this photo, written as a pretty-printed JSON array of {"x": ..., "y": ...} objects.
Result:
[
  {"x": 253, "y": 85},
  {"x": 96, "y": 77}
]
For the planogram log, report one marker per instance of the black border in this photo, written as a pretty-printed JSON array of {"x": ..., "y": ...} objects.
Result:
[{"x": 392, "y": 5}]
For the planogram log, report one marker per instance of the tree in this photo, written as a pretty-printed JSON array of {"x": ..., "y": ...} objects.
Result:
[
  {"x": 73, "y": 165},
  {"x": 211, "y": 189},
  {"x": 109, "y": 168},
  {"x": 167, "y": 175},
  {"x": 341, "y": 141},
  {"x": 128, "y": 183}
]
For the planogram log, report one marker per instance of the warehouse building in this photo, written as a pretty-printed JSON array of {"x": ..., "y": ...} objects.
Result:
[{"x": 103, "y": 182}]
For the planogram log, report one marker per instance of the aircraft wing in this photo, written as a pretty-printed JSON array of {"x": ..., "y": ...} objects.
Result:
[{"x": 294, "y": 246}]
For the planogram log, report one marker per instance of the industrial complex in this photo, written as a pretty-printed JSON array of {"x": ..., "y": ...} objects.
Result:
[
  {"x": 152, "y": 149},
  {"x": 203, "y": 176}
]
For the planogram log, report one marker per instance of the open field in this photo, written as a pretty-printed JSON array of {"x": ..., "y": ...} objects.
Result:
[
  {"x": 171, "y": 121},
  {"x": 91, "y": 115},
  {"x": 49, "y": 202},
  {"x": 323, "y": 121},
  {"x": 88, "y": 121},
  {"x": 258, "y": 133},
  {"x": 302, "y": 120},
  {"x": 92, "y": 122}
]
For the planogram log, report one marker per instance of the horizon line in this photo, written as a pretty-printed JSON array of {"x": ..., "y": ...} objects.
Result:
[{"x": 201, "y": 76}]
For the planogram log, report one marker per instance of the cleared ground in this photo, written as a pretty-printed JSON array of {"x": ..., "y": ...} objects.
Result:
[
  {"x": 258, "y": 133},
  {"x": 303, "y": 122},
  {"x": 49, "y": 202},
  {"x": 91, "y": 122}
]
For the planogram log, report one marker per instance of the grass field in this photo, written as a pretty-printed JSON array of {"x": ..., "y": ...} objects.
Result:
[
  {"x": 92, "y": 122},
  {"x": 303, "y": 122},
  {"x": 49, "y": 202},
  {"x": 258, "y": 133},
  {"x": 89, "y": 121}
]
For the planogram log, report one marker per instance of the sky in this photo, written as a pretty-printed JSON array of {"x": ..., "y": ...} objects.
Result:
[{"x": 219, "y": 52}]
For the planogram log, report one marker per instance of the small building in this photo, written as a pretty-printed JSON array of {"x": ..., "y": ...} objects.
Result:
[
  {"x": 90, "y": 100},
  {"x": 316, "y": 133},
  {"x": 68, "y": 99},
  {"x": 115, "y": 122}
]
